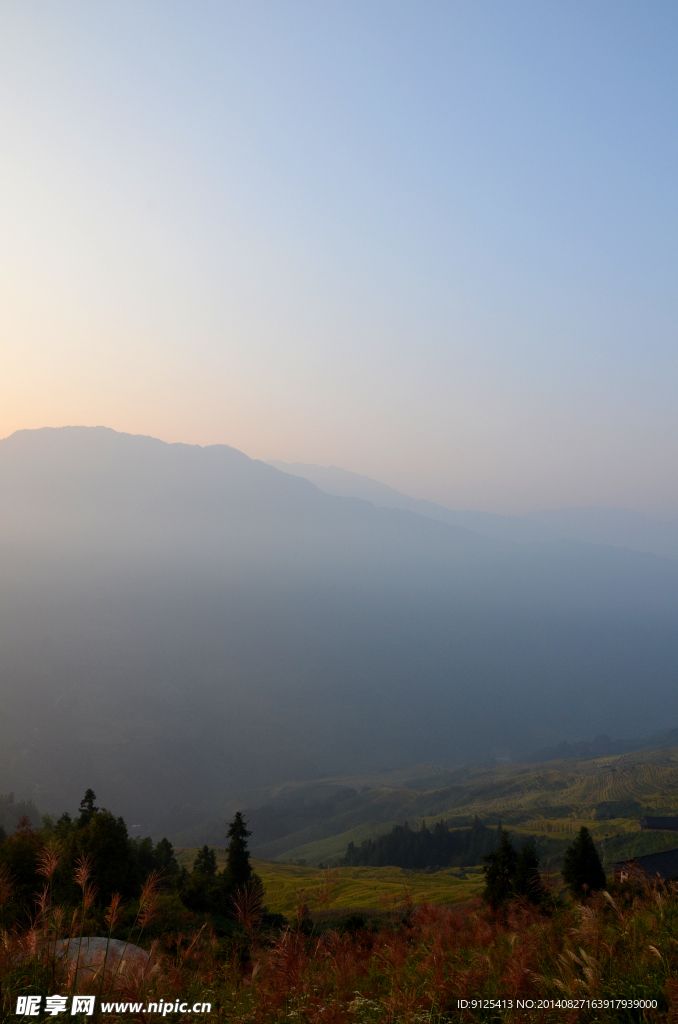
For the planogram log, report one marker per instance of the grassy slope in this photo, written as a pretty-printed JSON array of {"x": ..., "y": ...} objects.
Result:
[
  {"x": 549, "y": 800},
  {"x": 333, "y": 848},
  {"x": 363, "y": 888},
  {"x": 372, "y": 812}
]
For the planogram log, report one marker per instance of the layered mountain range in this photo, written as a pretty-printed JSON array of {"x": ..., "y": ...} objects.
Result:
[
  {"x": 620, "y": 527},
  {"x": 183, "y": 628}
]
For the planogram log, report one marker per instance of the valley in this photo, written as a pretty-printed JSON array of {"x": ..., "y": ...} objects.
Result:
[{"x": 546, "y": 802}]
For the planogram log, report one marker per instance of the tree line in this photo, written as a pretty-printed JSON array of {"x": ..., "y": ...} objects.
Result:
[
  {"x": 440, "y": 847},
  {"x": 117, "y": 864},
  {"x": 510, "y": 873}
]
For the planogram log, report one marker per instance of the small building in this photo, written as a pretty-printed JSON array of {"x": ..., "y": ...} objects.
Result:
[
  {"x": 665, "y": 824},
  {"x": 653, "y": 866}
]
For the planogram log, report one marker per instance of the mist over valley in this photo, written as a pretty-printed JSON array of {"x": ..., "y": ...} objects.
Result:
[{"x": 185, "y": 629}]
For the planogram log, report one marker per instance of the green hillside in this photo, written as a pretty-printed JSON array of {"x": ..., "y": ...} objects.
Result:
[
  {"x": 362, "y": 888},
  {"x": 549, "y": 801},
  {"x": 372, "y": 889}
]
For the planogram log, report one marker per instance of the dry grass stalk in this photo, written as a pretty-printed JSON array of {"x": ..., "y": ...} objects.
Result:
[
  {"x": 148, "y": 901},
  {"x": 83, "y": 870},
  {"x": 113, "y": 912},
  {"x": 48, "y": 861},
  {"x": 412, "y": 970},
  {"x": 247, "y": 904}
]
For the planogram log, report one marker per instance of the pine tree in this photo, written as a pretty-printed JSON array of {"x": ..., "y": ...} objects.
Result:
[
  {"x": 205, "y": 862},
  {"x": 499, "y": 871},
  {"x": 238, "y": 865},
  {"x": 163, "y": 855},
  {"x": 527, "y": 880},
  {"x": 87, "y": 808},
  {"x": 582, "y": 869}
]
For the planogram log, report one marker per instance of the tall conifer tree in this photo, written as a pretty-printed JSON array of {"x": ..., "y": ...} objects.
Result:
[
  {"x": 238, "y": 864},
  {"x": 205, "y": 862},
  {"x": 528, "y": 877},
  {"x": 87, "y": 808},
  {"x": 499, "y": 871},
  {"x": 582, "y": 869}
]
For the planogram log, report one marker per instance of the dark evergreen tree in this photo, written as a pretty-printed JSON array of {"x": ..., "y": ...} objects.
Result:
[
  {"x": 499, "y": 871},
  {"x": 207, "y": 891},
  {"x": 527, "y": 881},
  {"x": 142, "y": 856},
  {"x": 118, "y": 863},
  {"x": 582, "y": 869},
  {"x": 87, "y": 808},
  {"x": 206, "y": 862},
  {"x": 165, "y": 861},
  {"x": 63, "y": 826},
  {"x": 104, "y": 839},
  {"x": 202, "y": 890},
  {"x": 238, "y": 867}
]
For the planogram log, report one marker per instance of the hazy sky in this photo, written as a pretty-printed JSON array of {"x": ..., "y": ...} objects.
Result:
[{"x": 432, "y": 242}]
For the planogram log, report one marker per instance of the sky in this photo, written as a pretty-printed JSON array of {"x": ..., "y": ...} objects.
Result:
[{"x": 431, "y": 242}]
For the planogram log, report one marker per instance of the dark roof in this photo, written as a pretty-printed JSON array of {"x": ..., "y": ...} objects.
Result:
[
  {"x": 663, "y": 864},
  {"x": 666, "y": 823}
]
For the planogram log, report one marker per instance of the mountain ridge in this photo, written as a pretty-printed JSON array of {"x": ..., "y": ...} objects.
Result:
[
  {"x": 616, "y": 526},
  {"x": 183, "y": 627}
]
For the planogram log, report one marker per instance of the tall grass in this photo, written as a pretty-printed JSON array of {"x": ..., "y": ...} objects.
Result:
[
  {"x": 413, "y": 969},
  {"x": 50, "y": 956}
]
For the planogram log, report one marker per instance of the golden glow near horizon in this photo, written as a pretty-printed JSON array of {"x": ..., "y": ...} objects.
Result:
[{"x": 351, "y": 237}]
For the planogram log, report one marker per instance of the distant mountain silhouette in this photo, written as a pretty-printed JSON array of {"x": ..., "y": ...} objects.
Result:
[
  {"x": 621, "y": 527},
  {"x": 603, "y": 746},
  {"x": 183, "y": 627}
]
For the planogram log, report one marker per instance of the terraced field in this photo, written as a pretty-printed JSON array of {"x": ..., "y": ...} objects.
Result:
[
  {"x": 550, "y": 800},
  {"x": 648, "y": 777},
  {"x": 362, "y": 888},
  {"x": 376, "y": 889}
]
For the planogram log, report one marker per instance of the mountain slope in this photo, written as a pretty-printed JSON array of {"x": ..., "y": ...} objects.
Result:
[
  {"x": 620, "y": 527},
  {"x": 547, "y": 800},
  {"x": 184, "y": 627}
]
